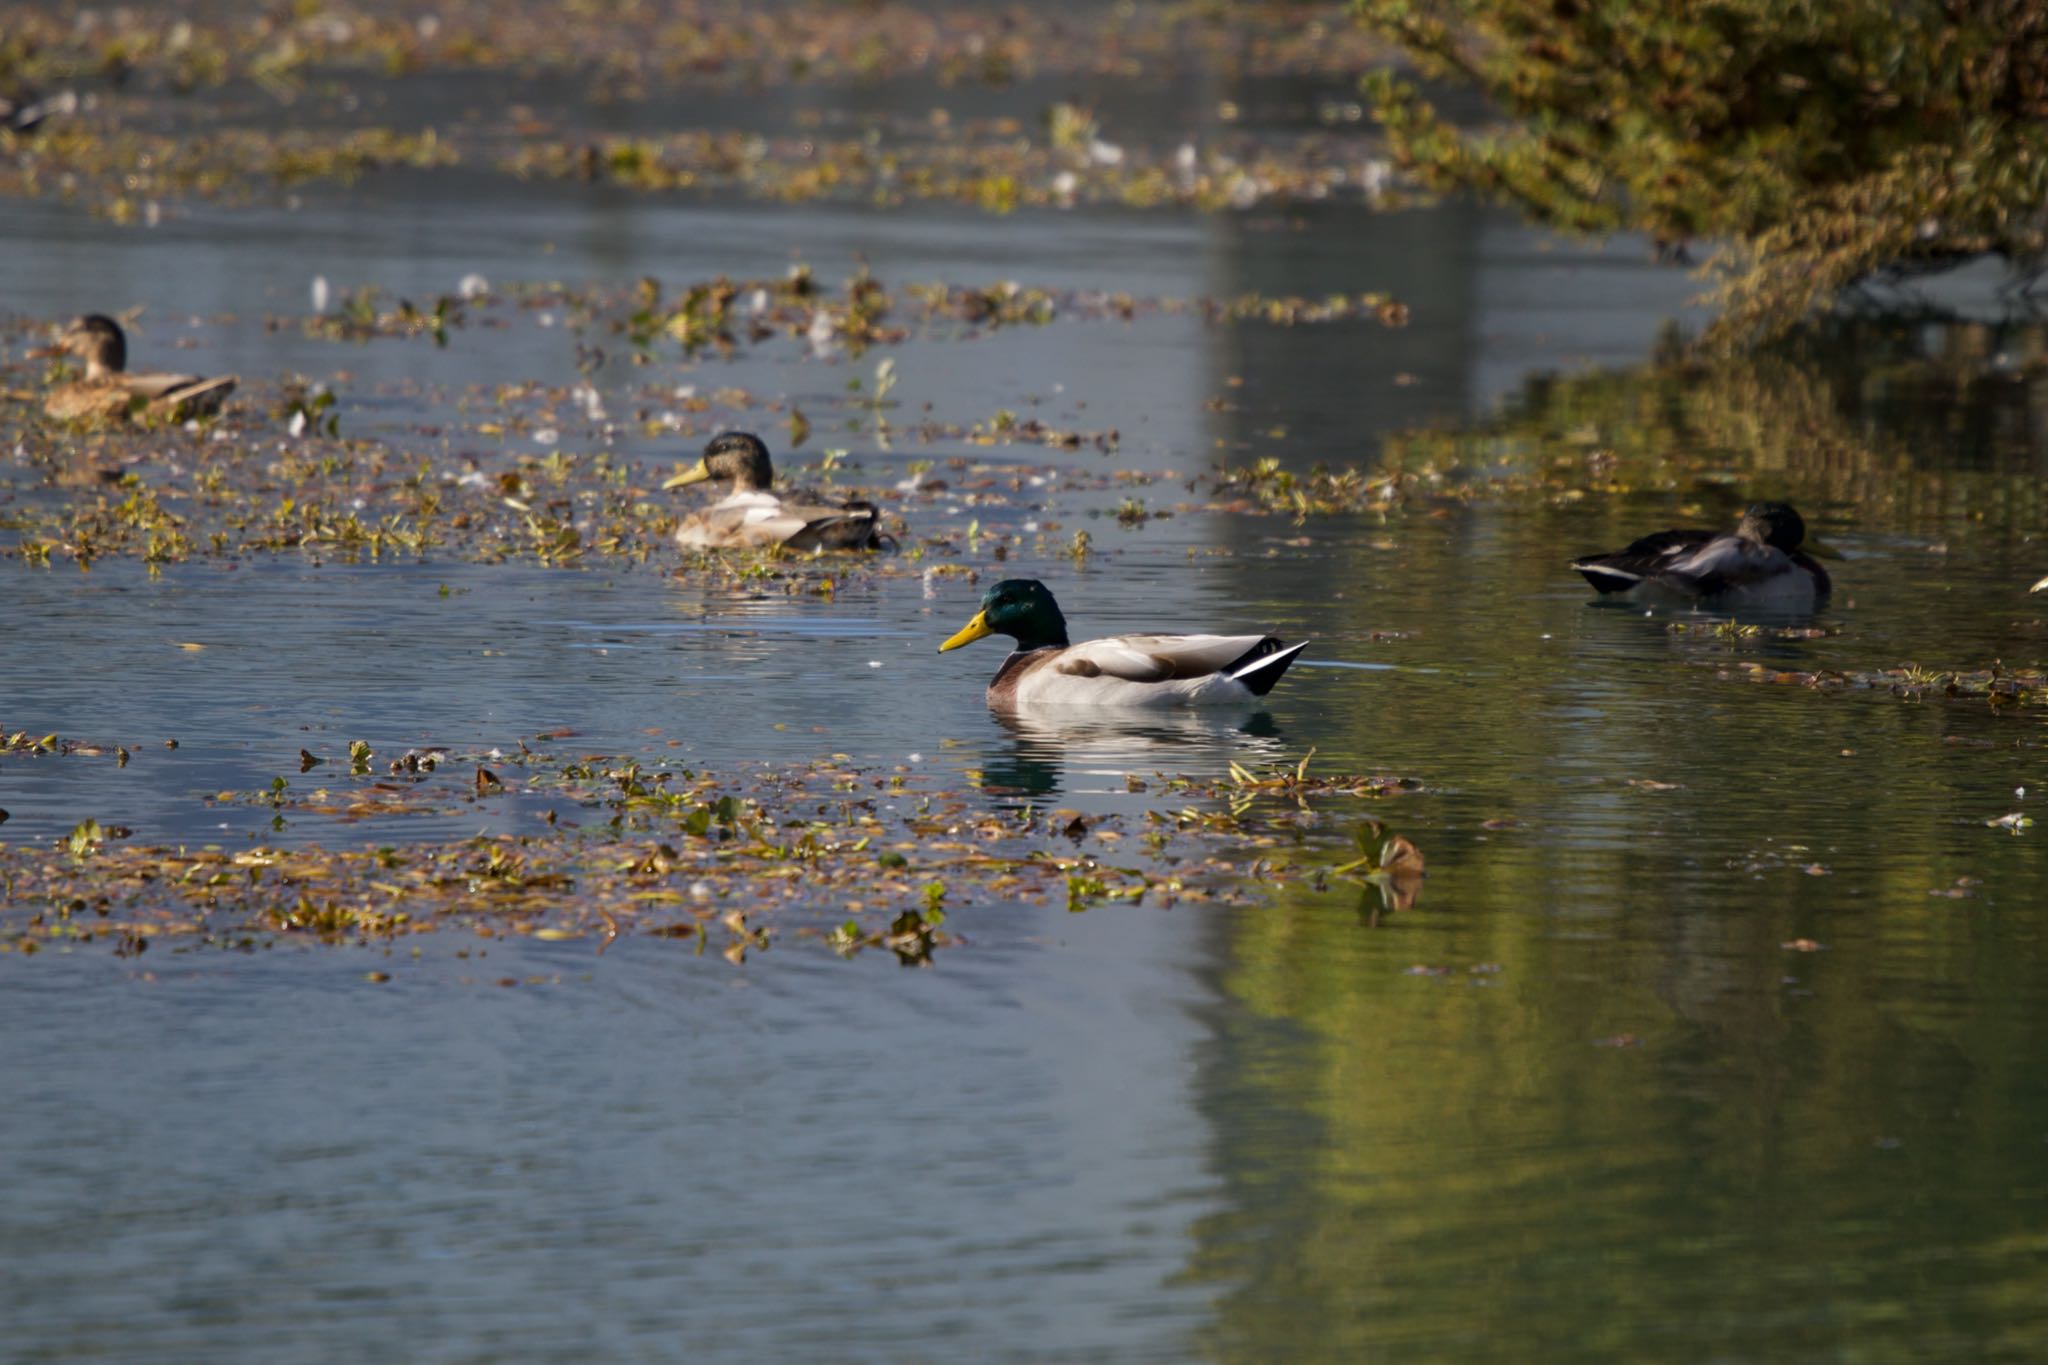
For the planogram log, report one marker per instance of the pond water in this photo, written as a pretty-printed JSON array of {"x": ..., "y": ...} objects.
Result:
[{"x": 1712, "y": 1036}]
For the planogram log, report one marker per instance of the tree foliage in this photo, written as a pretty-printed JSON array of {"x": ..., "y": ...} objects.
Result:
[{"x": 1817, "y": 144}]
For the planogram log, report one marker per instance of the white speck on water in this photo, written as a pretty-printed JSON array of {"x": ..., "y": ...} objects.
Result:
[
  {"x": 546, "y": 319},
  {"x": 699, "y": 891},
  {"x": 473, "y": 286},
  {"x": 546, "y": 436},
  {"x": 823, "y": 334},
  {"x": 916, "y": 758},
  {"x": 1374, "y": 177},
  {"x": 297, "y": 426},
  {"x": 874, "y": 663},
  {"x": 320, "y": 293},
  {"x": 1030, "y": 527}
]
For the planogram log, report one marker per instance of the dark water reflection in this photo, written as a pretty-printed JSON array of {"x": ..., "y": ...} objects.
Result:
[{"x": 1582, "y": 1101}]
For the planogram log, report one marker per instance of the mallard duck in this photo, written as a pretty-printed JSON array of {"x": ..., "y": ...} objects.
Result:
[
  {"x": 1118, "y": 670},
  {"x": 108, "y": 390},
  {"x": 753, "y": 515},
  {"x": 1760, "y": 562}
]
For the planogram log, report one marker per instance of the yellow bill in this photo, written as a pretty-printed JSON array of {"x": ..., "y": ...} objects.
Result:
[
  {"x": 969, "y": 633},
  {"x": 700, "y": 473}
]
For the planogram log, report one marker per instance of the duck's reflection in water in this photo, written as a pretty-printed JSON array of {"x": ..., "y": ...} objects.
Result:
[{"x": 1098, "y": 758}]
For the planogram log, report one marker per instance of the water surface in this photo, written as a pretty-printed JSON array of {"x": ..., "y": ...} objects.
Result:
[{"x": 1711, "y": 1037}]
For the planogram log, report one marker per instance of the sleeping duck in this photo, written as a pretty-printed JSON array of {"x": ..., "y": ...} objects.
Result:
[
  {"x": 752, "y": 515},
  {"x": 1759, "y": 563},
  {"x": 1118, "y": 670},
  {"x": 109, "y": 391}
]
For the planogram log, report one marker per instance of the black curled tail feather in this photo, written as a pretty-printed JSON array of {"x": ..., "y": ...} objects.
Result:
[
  {"x": 1261, "y": 666},
  {"x": 1606, "y": 577},
  {"x": 875, "y": 538}
]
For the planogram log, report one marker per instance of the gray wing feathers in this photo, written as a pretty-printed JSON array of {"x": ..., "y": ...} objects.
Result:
[{"x": 1157, "y": 658}]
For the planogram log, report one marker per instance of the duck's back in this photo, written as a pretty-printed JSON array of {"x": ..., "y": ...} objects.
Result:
[
  {"x": 1628, "y": 567},
  {"x": 1143, "y": 671},
  {"x": 173, "y": 396},
  {"x": 753, "y": 520},
  {"x": 1690, "y": 566},
  {"x": 190, "y": 394}
]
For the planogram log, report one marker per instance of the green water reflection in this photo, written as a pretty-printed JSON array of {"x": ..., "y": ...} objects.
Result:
[{"x": 1739, "y": 1062}]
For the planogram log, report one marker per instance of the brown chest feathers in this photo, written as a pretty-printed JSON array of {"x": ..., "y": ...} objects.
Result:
[{"x": 1002, "y": 689}]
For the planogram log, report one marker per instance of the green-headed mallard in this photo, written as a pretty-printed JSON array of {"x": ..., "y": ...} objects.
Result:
[
  {"x": 753, "y": 515},
  {"x": 108, "y": 390},
  {"x": 1759, "y": 563},
  {"x": 1118, "y": 670}
]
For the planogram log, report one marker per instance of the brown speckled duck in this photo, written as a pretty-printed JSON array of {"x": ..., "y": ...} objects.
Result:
[
  {"x": 753, "y": 516},
  {"x": 109, "y": 391}
]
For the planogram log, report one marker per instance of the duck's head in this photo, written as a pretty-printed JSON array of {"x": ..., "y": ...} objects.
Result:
[
  {"x": 736, "y": 455},
  {"x": 1020, "y": 608},
  {"x": 98, "y": 341},
  {"x": 1774, "y": 524}
]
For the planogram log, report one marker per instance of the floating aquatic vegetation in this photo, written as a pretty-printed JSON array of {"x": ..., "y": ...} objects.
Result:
[
  {"x": 722, "y": 315},
  {"x": 130, "y": 146},
  {"x": 1267, "y": 485},
  {"x": 855, "y": 858},
  {"x": 993, "y": 167},
  {"x": 127, "y": 160},
  {"x": 361, "y": 314},
  {"x": 22, "y": 744},
  {"x": 288, "y": 479},
  {"x": 1997, "y": 686},
  {"x": 632, "y": 50},
  {"x": 123, "y": 172}
]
